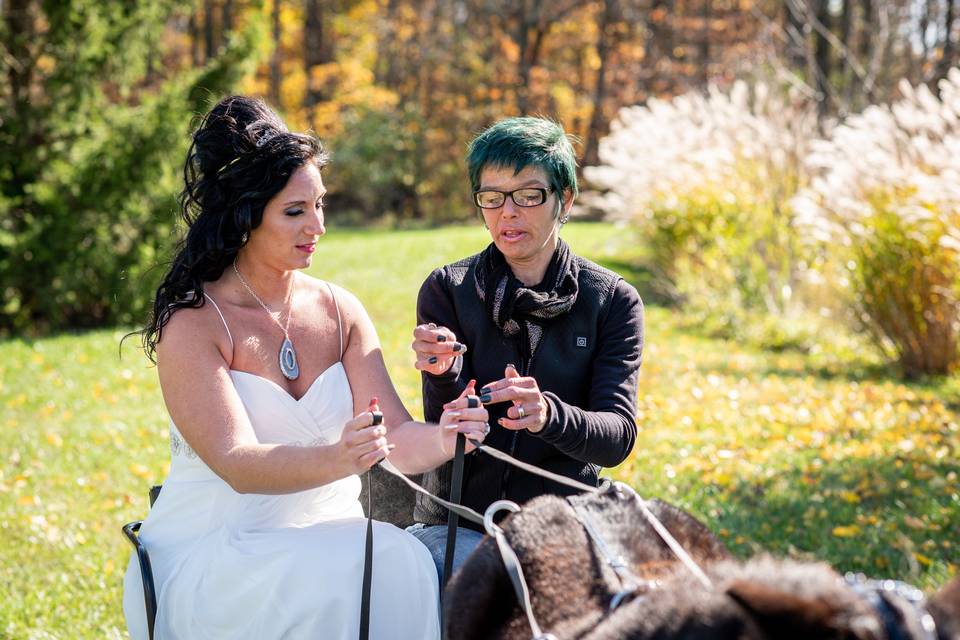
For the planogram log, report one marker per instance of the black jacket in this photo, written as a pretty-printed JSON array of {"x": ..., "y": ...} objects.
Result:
[{"x": 586, "y": 365}]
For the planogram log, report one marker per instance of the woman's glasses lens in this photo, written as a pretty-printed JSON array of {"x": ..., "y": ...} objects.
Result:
[{"x": 489, "y": 199}]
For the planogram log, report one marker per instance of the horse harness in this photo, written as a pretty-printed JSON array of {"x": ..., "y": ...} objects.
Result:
[
  {"x": 629, "y": 582},
  {"x": 880, "y": 594}
]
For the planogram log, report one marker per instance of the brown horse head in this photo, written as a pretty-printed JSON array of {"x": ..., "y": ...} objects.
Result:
[
  {"x": 765, "y": 598},
  {"x": 570, "y": 583}
]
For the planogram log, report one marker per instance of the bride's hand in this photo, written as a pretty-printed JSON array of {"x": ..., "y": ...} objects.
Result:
[
  {"x": 363, "y": 442},
  {"x": 464, "y": 415}
]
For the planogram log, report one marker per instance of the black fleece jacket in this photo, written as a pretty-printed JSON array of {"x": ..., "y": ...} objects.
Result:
[{"x": 586, "y": 365}]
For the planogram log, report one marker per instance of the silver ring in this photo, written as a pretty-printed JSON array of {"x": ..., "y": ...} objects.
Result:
[
  {"x": 520, "y": 411},
  {"x": 486, "y": 430}
]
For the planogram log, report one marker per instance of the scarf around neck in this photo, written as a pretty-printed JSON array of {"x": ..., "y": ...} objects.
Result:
[{"x": 517, "y": 308}]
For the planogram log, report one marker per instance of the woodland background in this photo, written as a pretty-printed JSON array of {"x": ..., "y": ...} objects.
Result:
[{"x": 98, "y": 99}]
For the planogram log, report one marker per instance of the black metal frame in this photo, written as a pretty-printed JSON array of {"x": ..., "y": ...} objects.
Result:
[{"x": 132, "y": 531}]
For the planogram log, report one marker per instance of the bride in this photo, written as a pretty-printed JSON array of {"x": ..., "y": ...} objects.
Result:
[{"x": 272, "y": 380}]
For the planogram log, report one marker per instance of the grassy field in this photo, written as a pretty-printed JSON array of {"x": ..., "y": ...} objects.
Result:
[{"x": 824, "y": 455}]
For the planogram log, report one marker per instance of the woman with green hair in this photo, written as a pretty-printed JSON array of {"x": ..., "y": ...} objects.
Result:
[{"x": 554, "y": 339}]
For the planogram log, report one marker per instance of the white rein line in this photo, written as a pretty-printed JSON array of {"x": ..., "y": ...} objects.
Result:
[
  {"x": 654, "y": 522},
  {"x": 651, "y": 519}
]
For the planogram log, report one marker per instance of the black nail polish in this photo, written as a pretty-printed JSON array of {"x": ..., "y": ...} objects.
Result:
[
  {"x": 457, "y": 347},
  {"x": 484, "y": 391},
  {"x": 441, "y": 338},
  {"x": 485, "y": 398},
  {"x": 432, "y": 359}
]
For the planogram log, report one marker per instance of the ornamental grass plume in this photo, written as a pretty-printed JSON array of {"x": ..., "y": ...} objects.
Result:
[
  {"x": 884, "y": 209},
  {"x": 707, "y": 179}
]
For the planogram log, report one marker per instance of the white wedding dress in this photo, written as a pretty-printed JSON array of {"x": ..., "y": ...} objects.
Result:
[{"x": 230, "y": 565}]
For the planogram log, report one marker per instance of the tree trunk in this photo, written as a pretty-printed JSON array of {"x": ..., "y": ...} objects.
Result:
[
  {"x": 226, "y": 19},
  {"x": 597, "y": 118},
  {"x": 658, "y": 46},
  {"x": 706, "y": 16},
  {"x": 867, "y": 30},
  {"x": 193, "y": 28},
  {"x": 318, "y": 50},
  {"x": 846, "y": 38},
  {"x": 209, "y": 31},
  {"x": 949, "y": 43},
  {"x": 277, "y": 34},
  {"x": 822, "y": 57},
  {"x": 796, "y": 47}
]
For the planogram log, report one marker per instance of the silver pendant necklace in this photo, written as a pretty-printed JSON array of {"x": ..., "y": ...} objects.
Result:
[{"x": 288, "y": 356}]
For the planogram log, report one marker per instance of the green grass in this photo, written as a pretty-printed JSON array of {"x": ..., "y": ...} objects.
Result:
[{"x": 819, "y": 456}]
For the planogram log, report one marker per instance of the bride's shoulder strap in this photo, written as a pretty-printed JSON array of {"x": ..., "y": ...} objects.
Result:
[
  {"x": 222, "y": 319},
  {"x": 336, "y": 306}
]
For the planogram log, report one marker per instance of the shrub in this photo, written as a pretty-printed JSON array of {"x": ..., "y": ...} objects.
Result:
[
  {"x": 90, "y": 166},
  {"x": 884, "y": 211},
  {"x": 381, "y": 173},
  {"x": 707, "y": 180}
]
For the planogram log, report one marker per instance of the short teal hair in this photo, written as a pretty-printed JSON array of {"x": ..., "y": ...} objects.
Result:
[{"x": 522, "y": 142}]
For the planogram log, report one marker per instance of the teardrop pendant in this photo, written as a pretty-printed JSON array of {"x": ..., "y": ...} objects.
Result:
[{"x": 288, "y": 360}]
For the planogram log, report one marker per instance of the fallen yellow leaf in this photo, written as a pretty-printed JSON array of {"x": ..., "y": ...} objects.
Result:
[
  {"x": 849, "y": 531},
  {"x": 850, "y": 496}
]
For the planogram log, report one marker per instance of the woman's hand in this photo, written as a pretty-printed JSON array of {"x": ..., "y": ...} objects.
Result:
[
  {"x": 464, "y": 415},
  {"x": 529, "y": 411},
  {"x": 363, "y": 442},
  {"x": 436, "y": 348}
]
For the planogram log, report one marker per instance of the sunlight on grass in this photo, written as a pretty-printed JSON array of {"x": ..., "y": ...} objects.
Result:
[{"x": 778, "y": 452}]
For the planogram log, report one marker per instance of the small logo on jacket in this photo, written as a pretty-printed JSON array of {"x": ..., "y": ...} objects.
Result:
[{"x": 582, "y": 342}]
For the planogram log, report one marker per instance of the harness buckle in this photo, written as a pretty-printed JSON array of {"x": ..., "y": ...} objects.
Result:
[{"x": 489, "y": 525}]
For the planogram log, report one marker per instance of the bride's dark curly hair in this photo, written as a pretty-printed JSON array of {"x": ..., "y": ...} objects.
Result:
[{"x": 241, "y": 155}]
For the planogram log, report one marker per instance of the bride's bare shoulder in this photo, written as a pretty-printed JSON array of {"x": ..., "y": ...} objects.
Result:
[{"x": 192, "y": 329}]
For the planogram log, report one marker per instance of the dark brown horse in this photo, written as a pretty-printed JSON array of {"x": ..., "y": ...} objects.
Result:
[{"x": 571, "y": 585}]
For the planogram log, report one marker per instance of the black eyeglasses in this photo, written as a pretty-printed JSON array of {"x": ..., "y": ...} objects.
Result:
[{"x": 526, "y": 197}]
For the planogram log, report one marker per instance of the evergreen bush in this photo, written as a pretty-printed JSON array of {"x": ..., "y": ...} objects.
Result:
[{"x": 90, "y": 159}]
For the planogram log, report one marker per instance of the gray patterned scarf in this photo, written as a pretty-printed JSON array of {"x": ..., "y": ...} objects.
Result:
[{"x": 516, "y": 308}]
